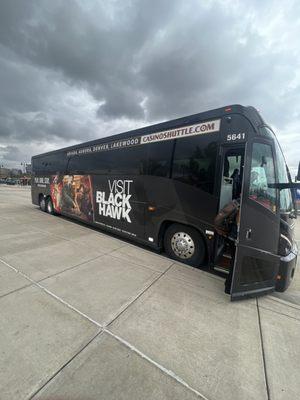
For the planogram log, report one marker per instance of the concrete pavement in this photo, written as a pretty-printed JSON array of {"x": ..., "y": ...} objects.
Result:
[{"x": 85, "y": 315}]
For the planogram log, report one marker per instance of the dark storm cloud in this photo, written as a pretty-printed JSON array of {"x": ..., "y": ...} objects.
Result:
[
  {"x": 88, "y": 45},
  {"x": 10, "y": 153},
  {"x": 74, "y": 70}
]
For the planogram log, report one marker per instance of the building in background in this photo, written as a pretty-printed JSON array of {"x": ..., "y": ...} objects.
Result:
[
  {"x": 4, "y": 173},
  {"x": 13, "y": 176}
]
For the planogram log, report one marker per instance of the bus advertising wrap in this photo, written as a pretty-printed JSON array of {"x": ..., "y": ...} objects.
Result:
[
  {"x": 115, "y": 204},
  {"x": 191, "y": 130},
  {"x": 72, "y": 194},
  {"x": 107, "y": 202}
]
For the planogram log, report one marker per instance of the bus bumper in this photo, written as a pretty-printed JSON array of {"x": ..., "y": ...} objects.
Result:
[{"x": 286, "y": 270}]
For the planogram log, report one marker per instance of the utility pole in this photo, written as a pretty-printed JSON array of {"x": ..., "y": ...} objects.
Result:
[{"x": 23, "y": 166}]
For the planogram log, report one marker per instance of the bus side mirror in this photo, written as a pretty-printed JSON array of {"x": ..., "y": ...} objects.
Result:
[
  {"x": 298, "y": 175},
  {"x": 281, "y": 186}
]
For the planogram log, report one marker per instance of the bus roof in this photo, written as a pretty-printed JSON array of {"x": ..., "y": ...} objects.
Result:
[{"x": 249, "y": 111}]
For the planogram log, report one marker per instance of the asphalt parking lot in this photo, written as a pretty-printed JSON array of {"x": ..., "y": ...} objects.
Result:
[{"x": 85, "y": 315}]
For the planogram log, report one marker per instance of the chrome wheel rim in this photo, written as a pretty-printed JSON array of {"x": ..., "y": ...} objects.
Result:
[
  {"x": 49, "y": 207},
  {"x": 183, "y": 245},
  {"x": 42, "y": 204}
]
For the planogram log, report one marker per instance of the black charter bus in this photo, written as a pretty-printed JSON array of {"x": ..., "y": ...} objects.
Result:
[{"x": 163, "y": 185}]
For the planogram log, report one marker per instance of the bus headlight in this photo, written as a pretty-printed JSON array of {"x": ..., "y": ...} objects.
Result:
[{"x": 285, "y": 245}]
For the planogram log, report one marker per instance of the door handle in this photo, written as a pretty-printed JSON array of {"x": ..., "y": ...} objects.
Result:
[{"x": 248, "y": 234}]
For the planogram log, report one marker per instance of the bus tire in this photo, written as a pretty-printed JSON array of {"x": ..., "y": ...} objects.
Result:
[
  {"x": 49, "y": 206},
  {"x": 185, "y": 244},
  {"x": 42, "y": 203}
]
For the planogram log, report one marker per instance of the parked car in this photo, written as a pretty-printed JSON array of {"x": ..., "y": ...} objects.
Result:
[{"x": 11, "y": 181}]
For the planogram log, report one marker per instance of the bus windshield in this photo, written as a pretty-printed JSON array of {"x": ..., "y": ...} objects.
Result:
[{"x": 286, "y": 201}]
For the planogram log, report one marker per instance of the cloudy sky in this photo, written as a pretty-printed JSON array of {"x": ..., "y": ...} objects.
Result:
[{"x": 71, "y": 71}]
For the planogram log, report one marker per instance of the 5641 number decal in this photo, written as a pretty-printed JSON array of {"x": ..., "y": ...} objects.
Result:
[{"x": 235, "y": 136}]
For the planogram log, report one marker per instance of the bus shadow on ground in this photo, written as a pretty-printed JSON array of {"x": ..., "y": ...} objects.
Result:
[{"x": 153, "y": 250}]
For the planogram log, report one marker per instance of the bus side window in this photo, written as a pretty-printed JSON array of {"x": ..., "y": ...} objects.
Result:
[
  {"x": 127, "y": 161},
  {"x": 194, "y": 162},
  {"x": 159, "y": 158},
  {"x": 232, "y": 176},
  {"x": 50, "y": 164}
]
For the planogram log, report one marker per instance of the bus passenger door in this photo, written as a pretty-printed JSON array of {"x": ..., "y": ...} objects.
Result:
[{"x": 256, "y": 259}]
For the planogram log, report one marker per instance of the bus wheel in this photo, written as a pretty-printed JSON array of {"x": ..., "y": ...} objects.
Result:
[
  {"x": 184, "y": 244},
  {"x": 42, "y": 203},
  {"x": 49, "y": 206}
]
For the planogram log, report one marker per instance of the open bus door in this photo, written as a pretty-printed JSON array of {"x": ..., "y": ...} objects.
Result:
[{"x": 256, "y": 262}]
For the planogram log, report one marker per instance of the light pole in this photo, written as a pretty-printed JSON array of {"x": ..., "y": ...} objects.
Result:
[{"x": 24, "y": 165}]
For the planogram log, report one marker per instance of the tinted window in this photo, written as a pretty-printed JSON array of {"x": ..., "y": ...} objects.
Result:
[
  {"x": 50, "y": 164},
  {"x": 151, "y": 159},
  {"x": 262, "y": 174},
  {"x": 159, "y": 158},
  {"x": 90, "y": 163},
  {"x": 195, "y": 161},
  {"x": 127, "y": 161},
  {"x": 266, "y": 131}
]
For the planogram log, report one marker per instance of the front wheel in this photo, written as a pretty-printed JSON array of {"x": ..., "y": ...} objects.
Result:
[
  {"x": 42, "y": 203},
  {"x": 184, "y": 244}
]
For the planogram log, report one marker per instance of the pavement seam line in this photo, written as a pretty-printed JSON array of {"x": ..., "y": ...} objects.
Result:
[
  {"x": 103, "y": 329},
  {"x": 156, "y": 364},
  {"x": 52, "y": 294},
  {"x": 263, "y": 351},
  {"x": 73, "y": 223},
  {"x": 75, "y": 240},
  {"x": 81, "y": 349},
  {"x": 50, "y": 233},
  {"x": 70, "y": 268},
  {"x": 284, "y": 302},
  {"x": 280, "y": 313},
  {"x": 144, "y": 290},
  {"x": 16, "y": 290},
  {"x": 138, "y": 265}
]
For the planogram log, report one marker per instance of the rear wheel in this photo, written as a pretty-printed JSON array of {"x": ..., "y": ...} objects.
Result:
[
  {"x": 185, "y": 244},
  {"x": 42, "y": 203},
  {"x": 49, "y": 206}
]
